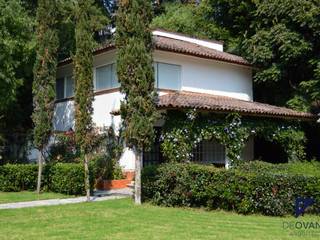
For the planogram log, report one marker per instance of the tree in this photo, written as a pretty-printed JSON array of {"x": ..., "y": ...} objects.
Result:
[
  {"x": 280, "y": 38},
  {"x": 88, "y": 18},
  {"x": 136, "y": 75},
  {"x": 44, "y": 77},
  {"x": 16, "y": 52}
]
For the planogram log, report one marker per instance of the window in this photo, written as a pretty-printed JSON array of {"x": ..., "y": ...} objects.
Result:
[
  {"x": 106, "y": 77},
  {"x": 60, "y": 88},
  {"x": 167, "y": 76},
  {"x": 65, "y": 87},
  {"x": 69, "y": 89},
  {"x": 154, "y": 155},
  {"x": 209, "y": 152}
]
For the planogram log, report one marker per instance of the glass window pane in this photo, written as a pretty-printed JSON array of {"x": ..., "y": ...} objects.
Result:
[
  {"x": 60, "y": 88},
  {"x": 104, "y": 77},
  {"x": 155, "y": 67},
  {"x": 213, "y": 152},
  {"x": 115, "y": 82},
  {"x": 69, "y": 86},
  {"x": 169, "y": 76}
]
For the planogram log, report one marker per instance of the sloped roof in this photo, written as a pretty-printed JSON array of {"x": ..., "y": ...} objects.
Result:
[
  {"x": 188, "y": 48},
  {"x": 181, "y": 47},
  {"x": 217, "y": 103}
]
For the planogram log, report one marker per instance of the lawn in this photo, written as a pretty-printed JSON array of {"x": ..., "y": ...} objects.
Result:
[
  {"x": 121, "y": 219},
  {"x": 10, "y": 197}
]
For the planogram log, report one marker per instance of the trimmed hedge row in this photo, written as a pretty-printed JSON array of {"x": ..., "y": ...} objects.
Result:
[
  {"x": 245, "y": 192},
  {"x": 67, "y": 178},
  {"x": 305, "y": 168}
]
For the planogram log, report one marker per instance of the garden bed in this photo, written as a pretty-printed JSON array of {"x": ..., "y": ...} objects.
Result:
[{"x": 115, "y": 184}]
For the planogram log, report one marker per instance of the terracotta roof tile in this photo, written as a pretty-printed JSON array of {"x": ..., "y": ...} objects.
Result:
[
  {"x": 183, "y": 47},
  {"x": 178, "y": 46},
  {"x": 227, "y": 104}
]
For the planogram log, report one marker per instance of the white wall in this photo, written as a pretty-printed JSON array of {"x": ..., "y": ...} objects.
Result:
[
  {"x": 198, "y": 75},
  {"x": 209, "y": 76}
]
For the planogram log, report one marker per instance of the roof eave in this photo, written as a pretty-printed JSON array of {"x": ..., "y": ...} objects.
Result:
[{"x": 310, "y": 118}]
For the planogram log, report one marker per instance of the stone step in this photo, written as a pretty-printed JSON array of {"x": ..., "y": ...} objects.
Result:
[{"x": 131, "y": 185}]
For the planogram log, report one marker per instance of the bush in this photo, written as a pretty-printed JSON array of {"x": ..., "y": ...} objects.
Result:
[
  {"x": 295, "y": 168},
  {"x": 106, "y": 168},
  {"x": 67, "y": 178},
  {"x": 242, "y": 191},
  {"x": 18, "y": 177},
  {"x": 64, "y": 149}
]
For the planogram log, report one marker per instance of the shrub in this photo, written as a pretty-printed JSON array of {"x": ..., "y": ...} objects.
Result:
[
  {"x": 18, "y": 177},
  {"x": 294, "y": 168},
  {"x": 67, "y": 178},
  {"x": 106, "y": 168},
  {"x": 64, "y": 149},
  {"x": 242, "y": 191}
]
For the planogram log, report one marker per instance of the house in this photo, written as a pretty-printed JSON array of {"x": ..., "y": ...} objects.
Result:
[{"x": 189, "y": 73}]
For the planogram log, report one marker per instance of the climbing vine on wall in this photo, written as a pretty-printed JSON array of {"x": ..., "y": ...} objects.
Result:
[{"x": 184, "y": 130}]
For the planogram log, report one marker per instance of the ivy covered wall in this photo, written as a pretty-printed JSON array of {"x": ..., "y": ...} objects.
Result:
[{"x": 184, "y": 130}]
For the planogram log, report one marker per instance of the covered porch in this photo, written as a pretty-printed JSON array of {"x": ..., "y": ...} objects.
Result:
[{"x": 224, "y": 131}]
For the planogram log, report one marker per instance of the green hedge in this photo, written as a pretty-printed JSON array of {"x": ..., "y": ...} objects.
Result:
[
  {"x": 67, "y": 178},
  {"x": 295, "y": 168},
  {"x": 242, "y": 191},
  {"x": 18, "y": 177}
]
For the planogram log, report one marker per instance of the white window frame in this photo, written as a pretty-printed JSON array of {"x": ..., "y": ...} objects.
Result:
[{"x": 95, "y": 79}]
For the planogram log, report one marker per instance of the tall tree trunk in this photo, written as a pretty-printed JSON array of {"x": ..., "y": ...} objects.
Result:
[
  {"x": 87, "y": 177},
  {"x": 40, "y": 163},
  {"x": 137, "y": 177}
]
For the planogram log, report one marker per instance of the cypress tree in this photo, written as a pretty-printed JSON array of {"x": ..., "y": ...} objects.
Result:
[
  {"x": 136, "y": 75},
  {"x": 88, "y": 19},
  {"x": 44, "y": 77}
]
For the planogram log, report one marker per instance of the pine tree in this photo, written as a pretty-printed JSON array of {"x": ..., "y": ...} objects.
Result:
[
  {"x": 136, "y": 75},
  {"x": 88, "y": 19},
  {"x": 44, "y": 78}
]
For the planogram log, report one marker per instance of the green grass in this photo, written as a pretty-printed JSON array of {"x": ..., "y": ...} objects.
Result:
[
  {"x": 121, "y": 219},
  {"x": 10, "y": 197}
]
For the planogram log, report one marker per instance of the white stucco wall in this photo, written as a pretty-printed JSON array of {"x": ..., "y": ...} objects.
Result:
[
  {"x": 197, "y": 75},
  {"x": 209, "y": 76}
]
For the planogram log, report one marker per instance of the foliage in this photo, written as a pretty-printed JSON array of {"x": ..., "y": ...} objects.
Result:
[
  {"x": 64, "y": 178},
  {"x": 135, "y": 72},
  {"x": 190, "y": 18},
  {"x": 247, "y": 192},
  {"x": 45, "y": 72},
  {"x": 105, "y": 164},
  {"x": 86, "y": 14},
  {"x": 183, "y": 131},
  {"x": 295, "y": 168},
  {"x": 64, "y": 148},
  {"x": 68, "y": 178},
  {"x": 15, "y": 49},
  {"x": 280, "y": 38},
  {"x": 105, "y": 168},
  {"x": 88, "y": 18},
  {"x": 18, "y": 177}
]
